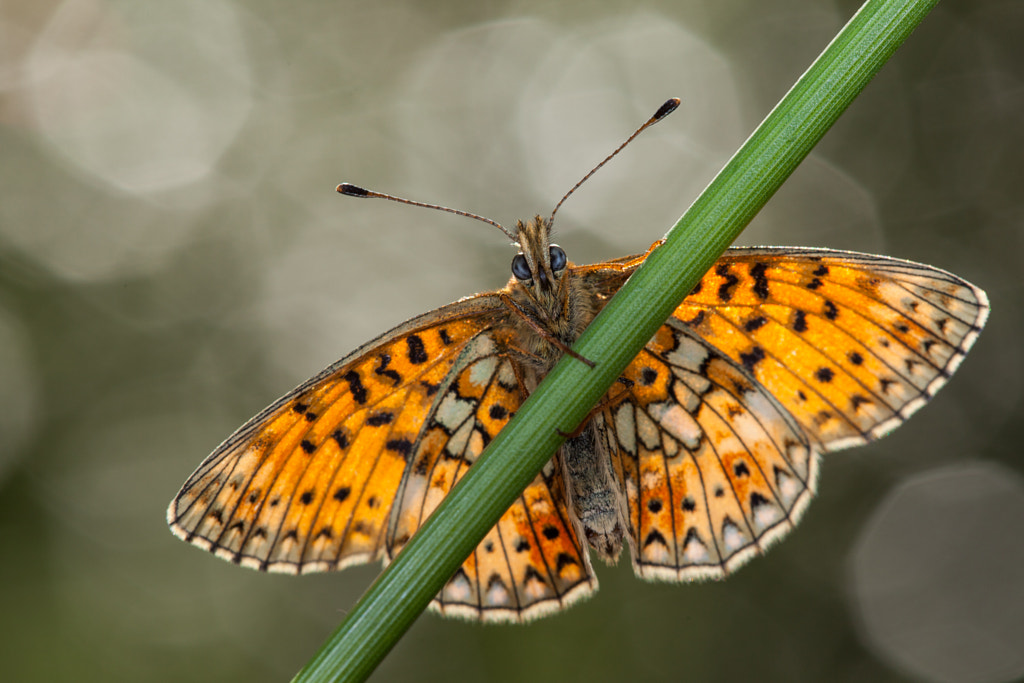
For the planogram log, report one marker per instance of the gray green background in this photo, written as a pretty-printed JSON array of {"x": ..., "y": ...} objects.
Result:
[{"x": 173, "y": 257}]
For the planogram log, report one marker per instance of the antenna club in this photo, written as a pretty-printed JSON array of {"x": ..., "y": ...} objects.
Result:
[
  {"x": 666, "y": 109},
  {"x": 353, "y": 190}
]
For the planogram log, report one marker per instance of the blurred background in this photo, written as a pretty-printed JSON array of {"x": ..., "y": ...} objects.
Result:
[{"x": 173, "y": 257}]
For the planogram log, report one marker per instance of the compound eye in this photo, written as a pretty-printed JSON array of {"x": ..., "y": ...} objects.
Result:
[
  {"x": 558, "y": 258},
  {"x": 520, "y": 268}
]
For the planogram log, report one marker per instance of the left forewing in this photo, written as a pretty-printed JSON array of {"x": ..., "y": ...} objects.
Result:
[{"x": 307, "y": 484}]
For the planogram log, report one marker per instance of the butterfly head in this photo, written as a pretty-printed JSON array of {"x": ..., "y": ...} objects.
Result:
[{"x": 540, "y": 266}]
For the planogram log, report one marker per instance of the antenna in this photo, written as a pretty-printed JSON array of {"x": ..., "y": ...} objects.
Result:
[
  {"x": 356, "y": 191},
  {"x": 663, "y": 111}
]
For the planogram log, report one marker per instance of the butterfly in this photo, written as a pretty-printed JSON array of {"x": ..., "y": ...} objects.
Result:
[{"x": 701, "y": 455}]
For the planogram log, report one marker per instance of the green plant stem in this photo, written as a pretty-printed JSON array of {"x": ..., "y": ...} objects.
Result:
[{"x": 631, "y": 318}]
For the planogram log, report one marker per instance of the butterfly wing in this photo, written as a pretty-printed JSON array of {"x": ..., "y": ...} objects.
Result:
[
  {"x": 775, "y": 356},
  {"x": 307, "y": 485},
  {"x": 345, "y": 468},
  {"x": 851, "y": 344},
  {"x": 715, "y": 469},
  {"x": 531, "y": 562}
]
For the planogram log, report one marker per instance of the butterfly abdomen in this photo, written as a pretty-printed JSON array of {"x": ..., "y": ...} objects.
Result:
[{"x": 594, "y": 496}]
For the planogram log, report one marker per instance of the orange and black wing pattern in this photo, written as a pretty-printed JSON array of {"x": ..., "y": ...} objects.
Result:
[
  {"x": 850, "y": 344},
  {"x": 345, "y": 468},
  {"x": 308, "y": 484},
  {"x": 531, "y": 562},
  {"x": 776, "y": 356}
]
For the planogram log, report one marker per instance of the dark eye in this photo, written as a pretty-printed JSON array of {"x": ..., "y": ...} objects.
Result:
[
  {"x": 520, "y": 268},
  {"x": 557, "y": 256}
]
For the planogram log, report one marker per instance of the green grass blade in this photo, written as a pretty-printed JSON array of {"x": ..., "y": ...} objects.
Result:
[{"x": 757, "y": 170}]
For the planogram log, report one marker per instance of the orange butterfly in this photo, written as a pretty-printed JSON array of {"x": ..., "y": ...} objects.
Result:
[{"x": 703, "y": 454}]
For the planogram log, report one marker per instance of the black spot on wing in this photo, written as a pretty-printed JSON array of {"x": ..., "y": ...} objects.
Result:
[
  {"x": 755, "y": 323},
  {"x": 401, "y": 446},
  {"x": 760, "y": 280},
  {"x": 696, "y": 320},
  {"x": 355, "y": 386},
  {"x": 655, "y": 537},
  {"x": 417, "y": 351},
  {"x": 799, "y": 323},
  {"x": 533, "y": 575},
  {"x": 726, "y": 288},
  {"x": 565, "y": 560},
  {"x": 831, "y": 312},
  {"x": 383, "y": 370},
  {"x": 751, "y": 358},
  {"x": 379, "y": 419}
]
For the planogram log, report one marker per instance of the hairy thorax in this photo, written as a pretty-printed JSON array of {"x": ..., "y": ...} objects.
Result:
[{"x": 563, "y": 313}]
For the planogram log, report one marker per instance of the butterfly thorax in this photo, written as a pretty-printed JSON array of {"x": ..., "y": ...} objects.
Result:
[{"x": 552, "y": 308}]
